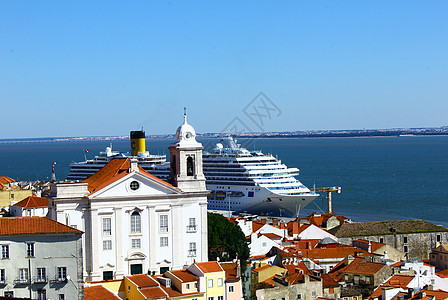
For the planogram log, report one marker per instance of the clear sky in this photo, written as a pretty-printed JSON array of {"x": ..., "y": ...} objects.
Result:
[{"x": 95, "y": 68}]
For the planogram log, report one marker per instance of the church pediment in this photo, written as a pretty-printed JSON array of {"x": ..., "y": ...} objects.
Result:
[
  {"x": 136, "y": 185},
  {"x": 136, "y": 256}
]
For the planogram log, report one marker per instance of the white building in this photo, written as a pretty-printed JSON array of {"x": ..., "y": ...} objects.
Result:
[
  {"x": 40, "y": 259},
  {"x": 134, "y": 222}
]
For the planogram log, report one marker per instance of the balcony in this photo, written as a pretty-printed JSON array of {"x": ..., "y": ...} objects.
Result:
[
  {"x": 59, "y": 280},
  {"x": 19, "y": 281},
  {"x": 40, "y": 279},
  {"x": 192, "y": 228}
]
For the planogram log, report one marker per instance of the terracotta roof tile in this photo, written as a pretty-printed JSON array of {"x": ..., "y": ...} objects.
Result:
[
  {"x": 209, "y": 266},
  {"x": 438, "y": 294},
  {"x": 230, "y": 269},
  {"x": 184, "y": 275},
  {"x": 33, "y": 225},
  {"x": 328, "y": 281},
  {"x": 143, "y": 280},
  {"x": 336, "y": 252},
  {"x": 115, "y": 169},
  {"x": 153, "y": 293},
  {"x": 256, "y": 225},
  {"x": 98, "y": 292},
  {"x": 6, "y": 179},
  {"x": 443, "y": 273},
  {"x": 33, "y": 202}
]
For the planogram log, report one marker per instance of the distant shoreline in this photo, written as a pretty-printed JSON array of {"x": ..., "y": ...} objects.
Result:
[{"x": 411, "y": 132}]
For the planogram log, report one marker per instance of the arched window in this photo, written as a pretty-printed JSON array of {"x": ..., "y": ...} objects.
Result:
[
  {"x": 173, "y": 165},
  {"x": 190, "y": 166},
  {"x": 135, "y": 222}
]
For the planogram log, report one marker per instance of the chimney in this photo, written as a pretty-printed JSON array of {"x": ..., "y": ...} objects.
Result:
[
  {"x": 263, "y": 221},
  {"x": 238, "y": 268},
  {"x": 133, "y": 165},
  {"x": 282, "y": 225},
  {"x": 275, "y": 222},
  {"x": 369, "y": 249}
]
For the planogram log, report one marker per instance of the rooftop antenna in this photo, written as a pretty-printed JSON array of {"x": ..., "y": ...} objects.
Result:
[{"x": 185, "y": 115}]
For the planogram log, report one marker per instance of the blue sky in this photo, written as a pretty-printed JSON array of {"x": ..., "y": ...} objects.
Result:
[{"x": 94, "y": 68}]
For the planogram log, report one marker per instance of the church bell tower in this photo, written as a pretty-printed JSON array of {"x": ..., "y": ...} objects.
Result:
[{"x": 186, "y": 171}]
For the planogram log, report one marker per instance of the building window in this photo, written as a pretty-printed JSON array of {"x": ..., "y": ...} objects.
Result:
[
  {"x": 192, "y": 224},
  {"x": 190, "y": 166},
  {"x": 299, "y": 296},
  {"x": 192, "y": 251},
  {"x": 187, "y": 286},
  {"x": 107, "y": 228},
  {"x": 61, "y": 297},
  {"x": 405, "y": 249},
  {"x": 220, "y": 281},
  {"x": 41, "y": 275},
  {"x": 108, "y": 275},
  {"x": 211, "y": 298},
  {"x": 23, "y": 275},
  {"x": 107, "y": 245},
  {"x": 5, "y": 251},
  {"x": 134, "y": 185},
  {"x": 62, "y": 274},
  {"x": 231, "y": 289},
  {"x": 163, "y": 223},
  {"x": 346, "y": 277},
  {"x": 195, "y": 285},
  {"x": 163, "y": 242},
  {"x": 2, "y": 276},
  {"x": 438, "y": 238},
  {"x": 313, "y": 293},
  {"x": 210, "y": 283},
  {"x": 41, "y": 294},
  {"x": 382, "y": 240},
  {"x": 220, "y": 297},
  {"x": 136, "y": 244},
  {"x": 8, "y": 294},
  {"x": 405, "y": 239},
  {"x": 135, "y": 222},
  {"x": 30, "y": 249}
]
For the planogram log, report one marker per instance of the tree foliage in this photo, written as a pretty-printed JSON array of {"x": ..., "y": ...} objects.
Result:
[{"x": 226, "y": 240}]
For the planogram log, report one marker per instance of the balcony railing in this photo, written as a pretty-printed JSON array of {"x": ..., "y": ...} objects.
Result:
[
  {"x": 58, "y": 280},
  {"x": 192, "y": 228},
  {"x": 40, "y": 279},
  {"x": 191, "y": 252},
  {"x": 21, "y": 281}
]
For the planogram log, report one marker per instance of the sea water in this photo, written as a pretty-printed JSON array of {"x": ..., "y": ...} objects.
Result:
[{"x": 382, "y": 178}]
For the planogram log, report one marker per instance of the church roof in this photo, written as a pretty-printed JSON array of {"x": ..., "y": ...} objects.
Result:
[{"x": 114, "y": 170}]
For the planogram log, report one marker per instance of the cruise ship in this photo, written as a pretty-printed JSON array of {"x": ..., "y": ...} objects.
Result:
[{"x": 239, "y": 180}]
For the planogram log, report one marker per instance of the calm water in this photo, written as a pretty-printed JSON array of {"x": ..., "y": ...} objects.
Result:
[{"x": 381, "y": 178}]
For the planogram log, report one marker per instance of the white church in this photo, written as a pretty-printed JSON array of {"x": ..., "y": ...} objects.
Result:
[{"x": 134, "y": 222}]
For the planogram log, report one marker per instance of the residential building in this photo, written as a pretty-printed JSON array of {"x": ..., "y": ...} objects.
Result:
[
  {"x": 99, "y": 292},
  {"x": 40, "y": 259},
  {"x": 331, "y": 288},
  {"x": 141, "y": 223},
  {"x": 31, "y": 206},
  {"x": 292, "y": 287},
  {"x": 439, "y": 256},
  {"x": 261, "y": 274},
  {"x": 382, "y": 249},
  {"x": 211, "y": 279},
  {"x": 415, "y": 238},
  {"x": 10, "y": 191},
  {"x": 233, "y": 282}
]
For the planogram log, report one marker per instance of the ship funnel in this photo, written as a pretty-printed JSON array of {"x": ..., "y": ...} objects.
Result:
[{"x": 137, "y": 142}]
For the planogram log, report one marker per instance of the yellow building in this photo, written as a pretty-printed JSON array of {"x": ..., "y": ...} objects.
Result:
[
  {"x": 144, "y": 287},
  {"x": 263, "y": 273},
  {"x": 211, "y": 279},
  {"x": 11, "y": 191}
]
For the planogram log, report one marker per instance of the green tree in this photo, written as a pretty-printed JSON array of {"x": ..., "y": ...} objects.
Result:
[{"x": 226, "y": 240}]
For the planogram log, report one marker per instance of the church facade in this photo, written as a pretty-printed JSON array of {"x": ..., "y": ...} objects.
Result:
[{"x": 134, "y": 222}]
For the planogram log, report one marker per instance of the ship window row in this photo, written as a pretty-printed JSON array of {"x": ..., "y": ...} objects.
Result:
[{"x": 230, "y": 182}]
